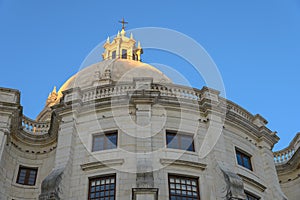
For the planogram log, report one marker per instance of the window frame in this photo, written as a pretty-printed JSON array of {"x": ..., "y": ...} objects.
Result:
[
  {"x": 179, "y": 135},
  {"x": 124, "y": 53},
  {"x": 114, "y": 54},
  {"x": 243, "y": 155},
  {"x": 191, "y": 178},
  {"x": 27, "y": 175},
  {"x": 102, "y": 177},
  {"x": 104, "y": 135}
]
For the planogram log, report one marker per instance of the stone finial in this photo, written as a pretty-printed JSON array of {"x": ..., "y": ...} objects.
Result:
[
  {"x": 123, "y": 32},
  {"x": 52, "y": 97},
  {"x": 54, "y": 90}
]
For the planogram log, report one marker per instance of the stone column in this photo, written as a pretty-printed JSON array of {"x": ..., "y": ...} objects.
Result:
[
  {"x": 144, "y": 159},
  {"x": 144, "y": 146},
  {"x": 56, "y": 185},
  {"x": 270, "y": 173},
  {"x": 10, "y": 110}
]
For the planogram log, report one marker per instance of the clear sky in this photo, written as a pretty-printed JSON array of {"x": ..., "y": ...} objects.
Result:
[{"x": 255, "y": 45}]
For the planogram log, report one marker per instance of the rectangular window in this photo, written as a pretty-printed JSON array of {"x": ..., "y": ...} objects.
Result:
[
  {"x": 183, "y": 188},
  {"x": 27, "y": 175},
  {"x": 105, "y": 141},
  {"x": 243, "y": 159},
  {"x": 124, "y": 53},
  {"x": 102, "y": 188},
  {"x": 251, "y": 196},
  {"x": 180, "y": 141},
  {"x": 113, "y": 55}
]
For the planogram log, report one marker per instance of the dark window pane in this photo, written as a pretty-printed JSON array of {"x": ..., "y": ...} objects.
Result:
[
  {"x": 124, "y": 53},
  {"x": 187, "y": 143},
  {"x": 113, "y": 55},
  {"x": 239, "y": 159},
  {"x": 172, "y": 141},
  {"x": 170, "y": 137},
  {"x": 111, "y": 141},
  {"x": 246, "y": 162}
]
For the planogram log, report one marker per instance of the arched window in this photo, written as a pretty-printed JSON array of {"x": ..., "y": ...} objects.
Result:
[
  {"x": 124, "y": 54},
  {"x": 113, "y": 55}
]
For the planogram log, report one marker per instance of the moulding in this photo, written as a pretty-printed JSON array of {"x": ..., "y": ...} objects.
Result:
[
  {"x": 101, "y": 164},
  {"x": 253, "y": 182},
  {"x": 183, "y": 163}
]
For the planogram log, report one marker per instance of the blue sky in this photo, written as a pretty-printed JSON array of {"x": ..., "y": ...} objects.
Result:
[{"x": 255, "y": 45}]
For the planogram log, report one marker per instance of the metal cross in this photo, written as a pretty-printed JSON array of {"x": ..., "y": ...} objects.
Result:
[{"x": 123, "y": 22}]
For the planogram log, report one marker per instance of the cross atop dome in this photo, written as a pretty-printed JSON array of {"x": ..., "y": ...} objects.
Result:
[
  {"x": 123, "y": 22},
  {"x": 122, "y": 47}
]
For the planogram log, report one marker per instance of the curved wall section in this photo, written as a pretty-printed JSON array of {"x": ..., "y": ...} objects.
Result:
[{"x": 141, "y": 140}]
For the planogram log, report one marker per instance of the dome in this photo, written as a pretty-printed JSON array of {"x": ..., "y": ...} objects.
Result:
[
  {"x": 114, "y": 71},
  {"x": 121, "y": 63}
]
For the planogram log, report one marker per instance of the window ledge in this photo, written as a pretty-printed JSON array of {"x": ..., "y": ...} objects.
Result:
[
  {"x": 33, "y": 187},
  {"x": 101, "y": 164},
  {"x": 183, "y": 163},
  {"x": 245, "y": 169},
  {"x": 172, "y": 150},
  {"x": 105, "y": 151}
]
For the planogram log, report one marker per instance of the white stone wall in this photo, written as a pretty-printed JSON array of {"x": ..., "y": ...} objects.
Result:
[
  {"x": 11, "y": 160},
  {"x": 142, "y": 125},
  {"x": 125, "y": 157}
]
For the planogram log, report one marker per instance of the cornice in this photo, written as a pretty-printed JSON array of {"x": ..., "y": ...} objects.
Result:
[
  {"x": 183, "y": 163},
  {"x": 253, "y": 182},
  {"x": 101, "y": 164}
]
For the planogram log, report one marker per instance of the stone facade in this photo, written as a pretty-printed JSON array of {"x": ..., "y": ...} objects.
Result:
[
  {"x": 141, "y": 111},
  {"x": 288, "y": 168}
]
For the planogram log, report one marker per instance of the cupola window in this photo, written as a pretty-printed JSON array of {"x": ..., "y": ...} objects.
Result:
[
  {"x": 124, "y": 54},
  {"x": 113, "y": 55}
]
